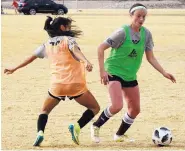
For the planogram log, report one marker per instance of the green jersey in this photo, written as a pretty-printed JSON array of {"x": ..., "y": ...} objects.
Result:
[{"x": 126, "y": 60}]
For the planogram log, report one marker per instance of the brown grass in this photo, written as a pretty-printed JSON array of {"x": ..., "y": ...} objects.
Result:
[{"x": 23, "y": 93}]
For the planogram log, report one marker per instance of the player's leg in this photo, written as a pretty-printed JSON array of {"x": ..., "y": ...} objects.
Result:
[
  {"x": 132, "y": 97},
  {"x": 47, "y": 107},
  {"x": 17, "y": 12},
  {"x": 87, "y": 100},
  {"x": 15, "y": 9},
  {"x": 115, "y": 92}
]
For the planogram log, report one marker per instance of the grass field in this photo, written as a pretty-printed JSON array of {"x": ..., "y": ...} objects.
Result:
[{"x": 23, "y": 93}]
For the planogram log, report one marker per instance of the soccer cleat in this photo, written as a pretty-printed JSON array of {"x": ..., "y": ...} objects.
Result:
[
  {"x": 95, "y": 134},
  {"x": 120, "y": 138},
  {"x": 74, "y": 129},
  {"x": 39, "y": 139}
]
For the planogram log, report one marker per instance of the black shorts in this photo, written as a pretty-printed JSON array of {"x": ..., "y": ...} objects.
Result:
[
  {"x": 59, "y": 98},
  {"x": 124, "y": 83}
]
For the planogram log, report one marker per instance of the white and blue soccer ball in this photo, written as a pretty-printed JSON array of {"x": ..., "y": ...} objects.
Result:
[{"x": 162, "y": 136}]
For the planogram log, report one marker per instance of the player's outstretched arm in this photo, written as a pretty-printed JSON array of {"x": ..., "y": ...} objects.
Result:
[
  {"x": 153, "y": 61},
  {"x": 24, "y": 63}
]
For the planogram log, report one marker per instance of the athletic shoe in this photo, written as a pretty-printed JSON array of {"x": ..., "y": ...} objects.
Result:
[
  {"x": 39, "y": 139},
  {"x": 95, "y": 134},
  {"x": 74, "y": 129},
  {"x": 120, "y": 138}
]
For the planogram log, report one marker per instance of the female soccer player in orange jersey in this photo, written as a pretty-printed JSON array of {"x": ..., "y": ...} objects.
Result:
[{"x": 68, "y": 66}]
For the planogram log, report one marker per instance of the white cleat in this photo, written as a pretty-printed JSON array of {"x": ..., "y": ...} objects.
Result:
[
  {"x": 95, "y": 134},
  {"x": 119, "y": 138}
]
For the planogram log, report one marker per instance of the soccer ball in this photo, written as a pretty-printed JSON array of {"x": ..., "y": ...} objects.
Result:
[{"x": 162, "y": 136}]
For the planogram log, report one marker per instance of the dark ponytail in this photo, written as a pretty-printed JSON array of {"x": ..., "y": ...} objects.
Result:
[
  {"x": 48, "y": 27},
  {"x": 53, "y": 29}
]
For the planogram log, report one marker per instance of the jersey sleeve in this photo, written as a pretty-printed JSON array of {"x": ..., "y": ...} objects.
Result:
[
  {"x": 149, "y": 41},
  {"x": 116, "y": 39},
  {"x": 71, "y": 43},
  {"x": 40, "y": 52}
]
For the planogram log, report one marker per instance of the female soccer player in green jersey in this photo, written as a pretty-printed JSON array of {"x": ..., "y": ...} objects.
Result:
[{"x": 119, "y": 70}]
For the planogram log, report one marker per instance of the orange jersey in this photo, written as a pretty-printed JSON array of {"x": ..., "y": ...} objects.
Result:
[{"x": 68, "y": 74}]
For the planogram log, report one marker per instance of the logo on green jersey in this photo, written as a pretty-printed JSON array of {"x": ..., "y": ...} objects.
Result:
[{"x": 133, "y": 54}]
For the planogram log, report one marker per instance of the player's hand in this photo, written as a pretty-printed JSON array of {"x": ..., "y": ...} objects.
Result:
[
  {"x": 104, "y": 77},
  {"x": 169, "y": 76},
  {"x": 88, "y": 66},
  {"x": 9, "y": 71}
]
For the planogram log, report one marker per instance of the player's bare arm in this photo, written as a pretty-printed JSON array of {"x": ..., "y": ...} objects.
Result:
[
  {"x": 153, "y": 61},
  {"x": 23, "y": 64},
  {"x": 103, "y": 74},
  {"x": 81, "y": 57}
]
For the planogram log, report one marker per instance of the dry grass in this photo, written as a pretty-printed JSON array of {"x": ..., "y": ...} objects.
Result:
[{"x": 23, "y": 93}]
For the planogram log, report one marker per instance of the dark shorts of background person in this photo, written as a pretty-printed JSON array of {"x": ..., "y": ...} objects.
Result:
[
  {"x": 59, "y": 98},
  {"x": 124, "y": 83}
]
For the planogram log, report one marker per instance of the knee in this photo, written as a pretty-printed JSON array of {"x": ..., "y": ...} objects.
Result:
[
  {"x": 116, "y": 108},
  {"x": 47, "y": 109}
]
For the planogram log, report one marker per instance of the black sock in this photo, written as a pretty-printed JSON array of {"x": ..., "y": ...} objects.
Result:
[
  {"x": 127, "y": 121},
  {"x": 87, "y": 116},
  {"x": 41, "y": 123},
  {"x": 123, "y": 128},
  {"x": 101, "y": 120}
]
